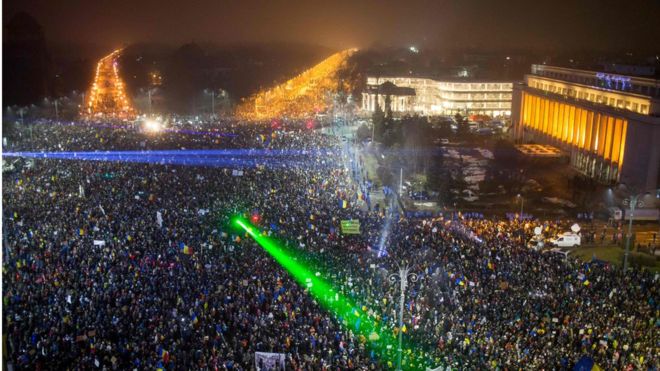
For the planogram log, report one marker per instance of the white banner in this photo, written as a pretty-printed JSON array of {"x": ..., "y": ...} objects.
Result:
[
  {"x": 237, "y": 172},
  {"x": 159, "y": 219},
  {"x": 99, "y": 243},
  {"x": 269, "y": 361}
]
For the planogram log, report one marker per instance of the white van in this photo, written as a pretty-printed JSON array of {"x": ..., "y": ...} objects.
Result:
[{"x": 566, "y": 239}]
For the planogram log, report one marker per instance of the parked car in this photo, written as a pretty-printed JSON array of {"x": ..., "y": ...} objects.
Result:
[
  {"x": 536, "y": 243},
  {"x": 564, "y": 253},
  {"x": 566, "y": 239}
]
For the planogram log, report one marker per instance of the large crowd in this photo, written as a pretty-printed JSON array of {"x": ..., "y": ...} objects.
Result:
[{"x": 118, "y": 265}]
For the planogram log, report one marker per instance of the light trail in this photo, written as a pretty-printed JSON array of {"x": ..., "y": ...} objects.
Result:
[
  {"x": 302, "y": 96},
  {"x": 359, "y": 320},
  {"x": 107, "y": 96},
  {"x": 209, "y": 158}
]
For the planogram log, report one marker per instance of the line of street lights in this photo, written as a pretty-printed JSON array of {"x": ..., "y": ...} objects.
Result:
[{"x": 403, "y": 275}]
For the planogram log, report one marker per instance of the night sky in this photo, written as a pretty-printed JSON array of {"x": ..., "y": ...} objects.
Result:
[{"x": 558, "y": 24}]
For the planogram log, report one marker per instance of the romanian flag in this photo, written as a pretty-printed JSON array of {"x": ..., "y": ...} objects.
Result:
[
  {"x": 185, "y": 248},
  {"x": 491, "y": 266},
  {"x": 586, "y": 364},
  {"x": 81, "y": 232},
  {"x": 343, "y": 204},
  {"x": 163, "y": 354}
]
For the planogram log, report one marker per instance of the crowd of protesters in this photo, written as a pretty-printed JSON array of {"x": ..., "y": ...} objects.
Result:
[{"x": 116, "y": 265}]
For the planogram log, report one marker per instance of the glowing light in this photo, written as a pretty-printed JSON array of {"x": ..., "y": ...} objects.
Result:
[
  {"x": 236, "y": 159},
  {"x": 107, "y": 95},
  {"x": 300, "y": 97},
  {"x": 152, "y": 126}
]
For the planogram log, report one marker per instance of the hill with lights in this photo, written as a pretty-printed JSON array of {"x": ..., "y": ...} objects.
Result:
[{"x": 302, "y": 96}]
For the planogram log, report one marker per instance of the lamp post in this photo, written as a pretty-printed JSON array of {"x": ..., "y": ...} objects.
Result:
[
  {"x": 403, "y": 276},
  {"x": 632, "y": 201},
  {"x": 522, "y": 202},
  {"x": 210, "y": 91},
  {"x": 149, "y": 97},
  {"x": 56, "y": 102}
]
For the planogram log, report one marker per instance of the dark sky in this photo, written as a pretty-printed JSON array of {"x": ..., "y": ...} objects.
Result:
[{"x": 588, "y": 24}]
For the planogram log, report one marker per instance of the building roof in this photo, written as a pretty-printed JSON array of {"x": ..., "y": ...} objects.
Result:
[{"x": 388, "y": 88}]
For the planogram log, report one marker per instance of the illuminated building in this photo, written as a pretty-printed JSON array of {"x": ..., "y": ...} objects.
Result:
[
  {"x": 608, "y": 124},
  {"x": 107, "y": 96},
  {"x": 401, "y": 99},
  {"x": 433, "y": 97},
  {"x": 301, "y": 97}
]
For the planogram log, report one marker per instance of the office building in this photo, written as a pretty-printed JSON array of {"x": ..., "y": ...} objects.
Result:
[
  {"x": 608, "y": 124},
  {"x": 447, "y": 97}
]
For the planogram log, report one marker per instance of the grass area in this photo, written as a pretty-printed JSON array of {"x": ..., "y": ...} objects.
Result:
[{"x": 614, "y": 255}]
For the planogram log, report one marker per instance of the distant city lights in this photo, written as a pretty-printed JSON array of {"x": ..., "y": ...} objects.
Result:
[
  {"x": 107, "y": 95},
  {"x": 300, "y": 97}
]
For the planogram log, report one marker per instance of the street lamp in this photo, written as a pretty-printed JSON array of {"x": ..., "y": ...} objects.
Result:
[
  {"x": 403, "y": 275},
  {"x": 632, "y": 201},
  {"x": 522, "y": 202},
  {"x": 210, "y": 91}
]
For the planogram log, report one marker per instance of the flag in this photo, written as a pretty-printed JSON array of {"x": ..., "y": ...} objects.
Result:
[
  {"x": 586, "y": 364},
  {"x": 81, "y": 232},
  {"x": 491, "y": 266},
  {"x": 344, "y": 204},
  {"x": 159, "y": 219},
  {"x": 185, "y": 248}
]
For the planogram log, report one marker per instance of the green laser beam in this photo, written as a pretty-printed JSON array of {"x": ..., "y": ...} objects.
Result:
[{"x": 356, "y": 319}]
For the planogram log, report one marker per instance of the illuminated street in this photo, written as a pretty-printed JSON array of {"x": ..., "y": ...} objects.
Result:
[{"x": 107, "y": 96}]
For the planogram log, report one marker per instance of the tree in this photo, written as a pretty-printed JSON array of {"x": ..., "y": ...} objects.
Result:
[
  {"x": 436, "y": 174},
  {"x": 463, "y": 128},
  {"x": 378, "y": 122},
  {"x": 388, "y": 106},
  {"x": 363, "y": 132},
  {"x": 442, "y": 128}
]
